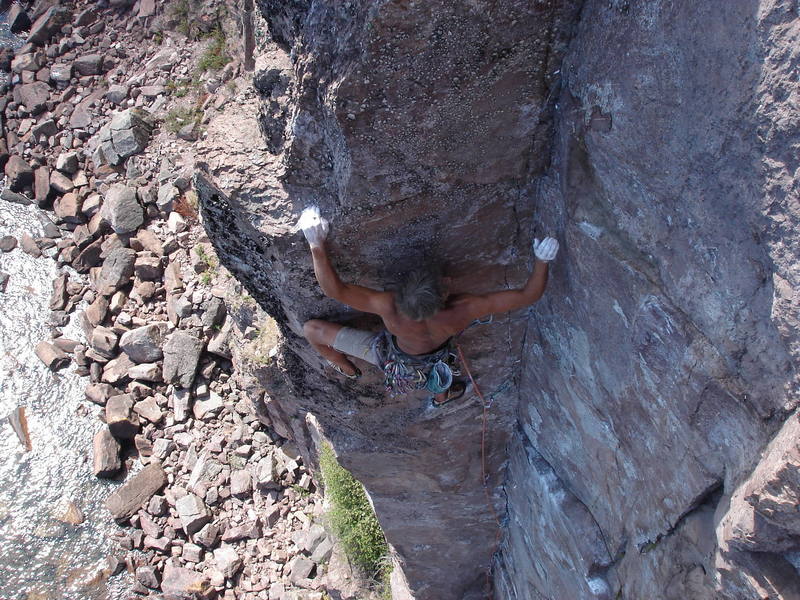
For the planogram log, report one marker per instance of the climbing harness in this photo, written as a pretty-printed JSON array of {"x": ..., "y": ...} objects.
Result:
[{"x": 404, "y": 373}]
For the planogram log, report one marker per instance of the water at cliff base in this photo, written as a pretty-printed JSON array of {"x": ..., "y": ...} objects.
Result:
[{"x": 41, "y": 555}]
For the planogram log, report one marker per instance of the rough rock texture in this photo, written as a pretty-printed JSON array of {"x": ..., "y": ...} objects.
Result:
[
  {"x": 413, "y": 134},
  {"x": 630, "y": 407}
]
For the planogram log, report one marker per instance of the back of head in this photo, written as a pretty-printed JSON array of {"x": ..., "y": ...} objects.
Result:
[{"x": 419, "y": 295}]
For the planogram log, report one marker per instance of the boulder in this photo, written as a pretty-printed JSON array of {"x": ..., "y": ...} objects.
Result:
[
  {"x": 179, "y": 583},
  {"x": 68, "y": 207},
  {"x": 105, "y": 454},
  {"x": 59, "y": 297},
  {"x": 33, "y": 95},
  {"x": 52, "y": 356},
  {"x": 89, "y": 64},
  {"x": 145, "y": 372},
  {"x": 19, "y": 173},
  {"x": 121, "y": 209},
  {"x": 43, "y": 130},
  {"x": 61, "y": 74},
  {"x": 181, "y": 355},
  {"x": 7, "y": 243},
  {"x": 17, "y": 18},
  {"x": 241, "y": 483},
  {"x": 117, "y": 94},
  {"x": 227, "y": 560},
  {"x": 192, "y": 512},
  {"x": 29, "y": 245},
  {"x": 90, "y": 256},
  {"x": 300, "y": 569},
  {"x": 99, "y": 393},
  {"x": 117, "y": 271},
  {"x": 117, "y": 370},
  {"x": 148, "y": 268},
  {"x": 149, "y": 410},
  {"x": 48, "y": 24},
  {"x": 167, "y": 194},
  {"x": 127, "y": 134},
  {"x": 67, "y": 162},
  {"x": 41, "y": 186},
  {"x": 136, "y": 492},
  {"x": 143, "y": 344},
  {"x": 120, "y": 418},
  {"x": 104, "y": 341}
]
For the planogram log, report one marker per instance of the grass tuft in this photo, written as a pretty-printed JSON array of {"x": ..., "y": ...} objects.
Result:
[
  {"x": 352, "y": 519},
  {"x": 215, "y": 57}
]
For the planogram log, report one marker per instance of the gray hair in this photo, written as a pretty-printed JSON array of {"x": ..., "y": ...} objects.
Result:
[{"x": 419, "y": 295}]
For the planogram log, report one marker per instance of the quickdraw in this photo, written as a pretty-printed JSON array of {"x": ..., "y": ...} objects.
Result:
[{"x": 404, "y": 373}]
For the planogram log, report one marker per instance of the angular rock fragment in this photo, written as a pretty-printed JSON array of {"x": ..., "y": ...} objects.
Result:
[
  {"x": 99, "y": 393},
  {"x": 59, "y": 297},
  {"x": 143, "y": 344},
  {"x": 300, "y": 569},
  {"x": 51, "y": 356},
  {"x": 104, "y": 341},
  {"x": 207, "y": 536},
  {"x": 33, "y": 95},
  {"x": 117, "y": 370},
  {"x": 47, "y": 25},
  {"x": 149, "y": 410},
  {"x": 227, "y": 560},
  {"x": 129, "y": 498},
  {"x": 145, "y": 372},
  {"x": 181, "y": 356},
  {"x": 204, "y": 409},
  {"x": 241, "y": 483},
  {"x": 105, "y": 454},
  {"x": 17, "y": 18},
  {"x": 127, "y": 134},
  {"x": 148, "y": 268},
  {"x": 192, "y": 512},
  {"x": 120, "y": 418},
  {"x": 122, "y": 210},
  {"x": 96, "y": 312},
  {"x": 179, "y": 583},
  {"x": 67, "y": 162},
  {"x": 29, "y": 246},
  {"x": 89, "y": 64},
  {"x": 117, "y": 271},
  {"x": 148, "y": 577},
  {"x": 19, "y": 173},
  {"x": 181, "y": 403}
]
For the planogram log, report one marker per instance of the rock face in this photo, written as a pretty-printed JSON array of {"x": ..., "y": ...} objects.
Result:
[{"x": 630, "y": 407}]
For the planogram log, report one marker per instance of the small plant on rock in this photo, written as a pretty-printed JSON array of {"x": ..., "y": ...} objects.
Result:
[
  {"x": 215, "y": 57},
  {"x": 352, "y": 519}
]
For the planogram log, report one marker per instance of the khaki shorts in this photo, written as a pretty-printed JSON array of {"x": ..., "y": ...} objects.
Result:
[{"x": 356, "y": 343}]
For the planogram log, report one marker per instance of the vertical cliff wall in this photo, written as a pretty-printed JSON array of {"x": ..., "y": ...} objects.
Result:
[
  {"x": 415, "y": 126},
  {"x": 631, "y": 406},
  {"x": 664, "y": 355}
]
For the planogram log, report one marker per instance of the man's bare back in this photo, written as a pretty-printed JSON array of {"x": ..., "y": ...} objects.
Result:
[{"x": 414, "y": 336}]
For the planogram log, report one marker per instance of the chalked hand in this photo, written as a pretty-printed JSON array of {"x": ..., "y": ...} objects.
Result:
[
  {"x": 314, "y": 226},
  {"x": 545, "y": 250}
]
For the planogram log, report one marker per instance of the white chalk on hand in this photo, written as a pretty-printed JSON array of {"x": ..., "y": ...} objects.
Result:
[{"x": 314, "y": 226}]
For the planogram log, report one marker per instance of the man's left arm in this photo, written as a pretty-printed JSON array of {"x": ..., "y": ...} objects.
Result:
[{"x": 315, "y": 228}]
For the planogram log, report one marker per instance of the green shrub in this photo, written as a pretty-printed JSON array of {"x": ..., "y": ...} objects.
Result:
[
  {"x": 215, "y": 57},
  {"x": 352, "y": 519},
  {"x": 178, "y": 117}
]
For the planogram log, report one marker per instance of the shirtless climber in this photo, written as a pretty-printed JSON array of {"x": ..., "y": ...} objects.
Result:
[{"x": 420, "y": 321}]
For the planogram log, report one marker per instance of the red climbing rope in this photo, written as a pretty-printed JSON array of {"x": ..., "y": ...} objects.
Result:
[{"x": 484, "y": 477}]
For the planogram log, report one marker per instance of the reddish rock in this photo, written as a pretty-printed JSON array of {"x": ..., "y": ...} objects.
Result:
[
  {"x": 50, "y": 355},
  {"x": 129, "y": 498},
  {"x": 19, "y": 173},
  {"x": 105, "y": 454}
]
